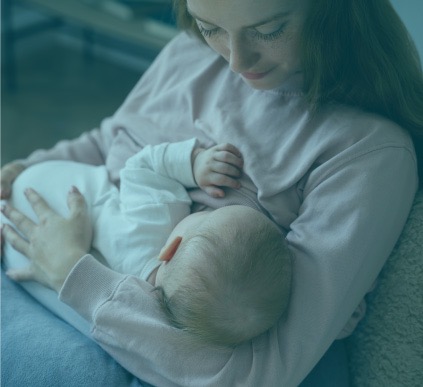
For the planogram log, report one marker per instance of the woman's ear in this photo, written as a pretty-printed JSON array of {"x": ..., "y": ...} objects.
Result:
[{"x": 170, "y": 249}]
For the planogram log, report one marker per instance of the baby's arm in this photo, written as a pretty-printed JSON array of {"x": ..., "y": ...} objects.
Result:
[
  {"x": 191, "y": 166},
  {"x": 216, "y": 167}
]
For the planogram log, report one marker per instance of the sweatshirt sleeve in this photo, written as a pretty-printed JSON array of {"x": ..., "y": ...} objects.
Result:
[
  {"x": 90, "y": 148},
  {"x": 352, "y": 214}
]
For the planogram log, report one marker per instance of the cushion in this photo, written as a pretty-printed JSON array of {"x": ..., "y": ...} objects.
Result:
[{"x": 387, "y": 347}]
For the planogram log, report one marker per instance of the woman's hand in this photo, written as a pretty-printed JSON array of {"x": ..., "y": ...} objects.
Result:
[
  {"x": 218, "y": 166},
  {"x": 8, "y": 175},
  {"x": 55, "y": 244}
]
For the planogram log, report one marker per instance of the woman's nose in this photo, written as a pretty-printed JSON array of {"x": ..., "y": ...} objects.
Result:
[{"x": 242, "y": 56}]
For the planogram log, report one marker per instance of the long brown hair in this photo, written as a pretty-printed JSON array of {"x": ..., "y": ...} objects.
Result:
[{"x": 357, "y": 52}]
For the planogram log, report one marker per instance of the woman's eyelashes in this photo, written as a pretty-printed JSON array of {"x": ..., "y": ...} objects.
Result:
[
  {"x": 209, "y": 31},
  {"x": 268, "y": 36}
]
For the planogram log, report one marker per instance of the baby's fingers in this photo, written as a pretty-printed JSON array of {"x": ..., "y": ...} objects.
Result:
[
  {"x": 214, "y": 192},
  {"x": 226, "y": 169},
  {"x": 229, "y": 148},
  {"x": 229, "y": 154},
  {"x": 221, "y": 180}
]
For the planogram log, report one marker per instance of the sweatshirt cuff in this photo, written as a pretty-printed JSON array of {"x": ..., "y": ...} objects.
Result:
[{"x": 88, "y": 286}]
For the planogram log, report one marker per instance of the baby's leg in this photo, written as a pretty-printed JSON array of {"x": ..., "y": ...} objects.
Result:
[{"x": 53, "y": 180}]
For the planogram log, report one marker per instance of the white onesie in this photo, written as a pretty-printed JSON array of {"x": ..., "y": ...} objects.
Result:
[{"x": 132, "y": 224}]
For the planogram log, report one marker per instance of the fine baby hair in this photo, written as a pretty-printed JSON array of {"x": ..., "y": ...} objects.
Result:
[{"x": 238, "y": 285}]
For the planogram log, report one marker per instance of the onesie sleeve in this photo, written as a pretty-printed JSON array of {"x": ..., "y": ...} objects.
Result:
[
  {"x": 352, "y": 214},
  {"x": 151, "y": 203},
  {"x": 172, "y": 160},
  {"x": 157, "y": 176}
]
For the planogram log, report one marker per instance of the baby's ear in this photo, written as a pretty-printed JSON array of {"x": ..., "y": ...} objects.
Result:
[{"x": 170, "y": 249}]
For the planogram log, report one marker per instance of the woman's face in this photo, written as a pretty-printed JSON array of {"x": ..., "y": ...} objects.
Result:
[{"x": 259, "y": 38}]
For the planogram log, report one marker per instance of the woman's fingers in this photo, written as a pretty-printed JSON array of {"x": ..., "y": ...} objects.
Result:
[
  {"x": 21, "y": 222},
  {"x": 38, "y": 204},
  {"x": 15, "y": 240},
  {"x": 76, "y": 203},
  {"x": 55, "y": 244},
  {"x": 24, "y": 274}
]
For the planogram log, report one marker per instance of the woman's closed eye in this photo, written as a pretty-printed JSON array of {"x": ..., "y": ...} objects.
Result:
[
  {"x": 266, "y": 33},
  {"x": 269, "y": 33},
  {"x": 207, "y": 30}
]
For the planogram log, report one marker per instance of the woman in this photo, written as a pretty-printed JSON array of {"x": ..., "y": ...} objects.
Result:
[{"x": 323, "y": 99}]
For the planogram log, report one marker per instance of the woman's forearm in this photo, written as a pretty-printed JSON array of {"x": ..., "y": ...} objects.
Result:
[{"x": 121, "y": 307}]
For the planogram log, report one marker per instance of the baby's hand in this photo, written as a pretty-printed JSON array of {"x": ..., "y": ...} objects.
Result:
[{"x": 218, "y": 166}]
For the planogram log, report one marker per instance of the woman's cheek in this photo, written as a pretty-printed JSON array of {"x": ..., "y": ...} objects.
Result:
[{"x": 219, "y": 45}]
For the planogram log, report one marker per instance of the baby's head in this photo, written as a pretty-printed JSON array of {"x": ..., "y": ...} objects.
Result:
[{"x": 227, "y": 275}]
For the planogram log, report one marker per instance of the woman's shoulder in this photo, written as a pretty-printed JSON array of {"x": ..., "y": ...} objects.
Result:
[
  {"x": 350, "y": 136},
  {"x": 353, "y": 126}
]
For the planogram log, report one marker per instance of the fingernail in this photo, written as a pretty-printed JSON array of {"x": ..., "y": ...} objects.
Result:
[{"x": 74, "y": 190}]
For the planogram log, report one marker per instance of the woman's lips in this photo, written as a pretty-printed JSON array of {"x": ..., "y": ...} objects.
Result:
[{"x": 254, "y": 76}]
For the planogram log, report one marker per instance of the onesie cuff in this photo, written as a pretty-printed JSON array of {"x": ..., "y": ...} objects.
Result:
[{"x": 177, "y": 159}]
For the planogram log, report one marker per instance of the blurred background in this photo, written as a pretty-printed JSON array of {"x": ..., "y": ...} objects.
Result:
[{"x": 67, "y": 64}]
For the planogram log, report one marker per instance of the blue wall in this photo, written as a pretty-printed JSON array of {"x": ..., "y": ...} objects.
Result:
[{"x": 411, "y": 12}]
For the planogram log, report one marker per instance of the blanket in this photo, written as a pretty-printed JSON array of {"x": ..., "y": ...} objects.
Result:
[{"x": 38, "y": 349}]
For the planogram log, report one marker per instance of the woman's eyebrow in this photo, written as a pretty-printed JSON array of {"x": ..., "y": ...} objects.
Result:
[
  {"x": 271, "y": 19},
  {"x": 197, "y": 17},
  {"x": 261, "y": 23}
]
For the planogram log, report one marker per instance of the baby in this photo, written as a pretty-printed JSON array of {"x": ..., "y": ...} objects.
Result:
[{"x": 223, "y": 275}]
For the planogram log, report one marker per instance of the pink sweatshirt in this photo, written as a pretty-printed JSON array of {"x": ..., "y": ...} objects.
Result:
[{"x": 340, "y": 184}]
